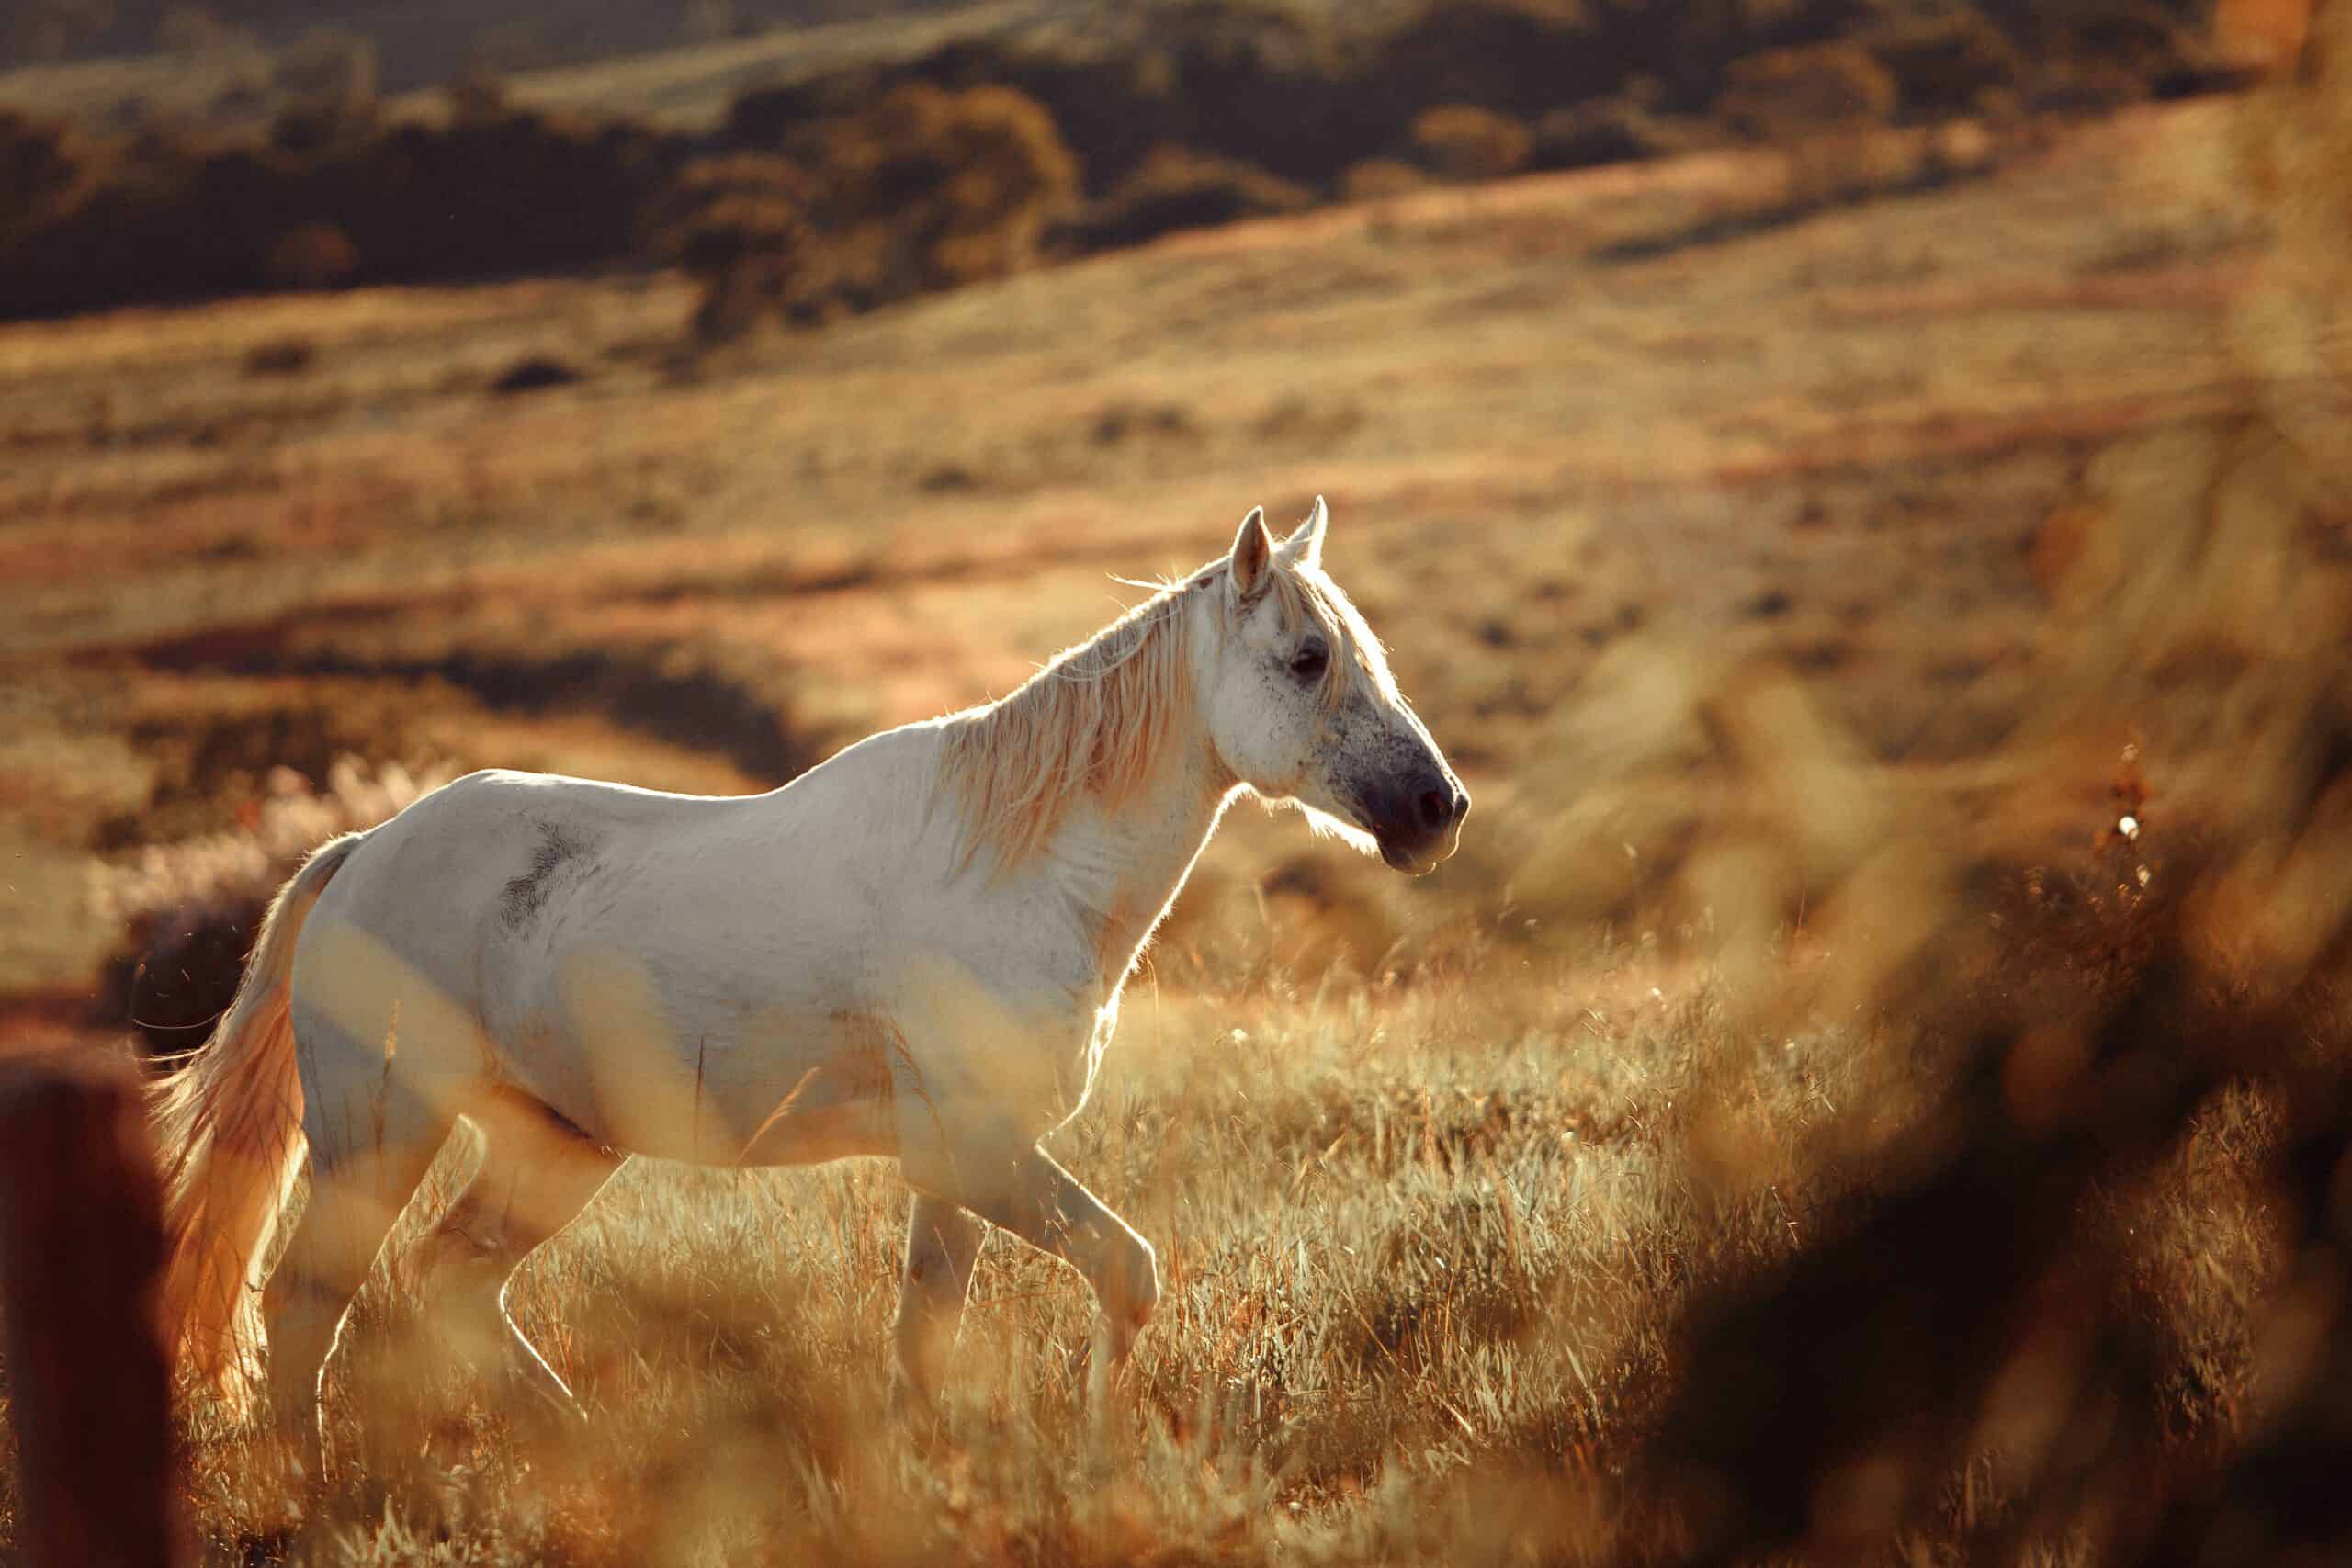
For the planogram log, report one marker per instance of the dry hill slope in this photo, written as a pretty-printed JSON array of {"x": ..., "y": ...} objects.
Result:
[{"x": 1550, "y": 414}]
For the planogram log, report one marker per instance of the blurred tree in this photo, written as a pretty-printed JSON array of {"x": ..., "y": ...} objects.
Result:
[
  {"x": 1952, "y": 62},
  {"x": 1784, "y": 94},
  {"x": 931, "y": 188},
  {"x": 1462, "y": 142},
  {"x": 1177, "y": 188},
  {"x": 36, "y": 170},
  {"x": 738, "y": 226},
  {"x": 311, "y": 255},
  {"x": 1616, "y": 129},
  {"x": 1377, "y": 179}
]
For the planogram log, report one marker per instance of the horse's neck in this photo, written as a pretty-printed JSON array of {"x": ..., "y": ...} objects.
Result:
[{"x": 1126, "y": 866}]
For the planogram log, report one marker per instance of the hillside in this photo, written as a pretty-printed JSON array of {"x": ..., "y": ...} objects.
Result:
[
  {"x": 417, "y": 42},
  {"x": 1553, "y": 416}
]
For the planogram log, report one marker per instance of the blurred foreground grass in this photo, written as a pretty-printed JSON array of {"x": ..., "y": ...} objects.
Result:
[{"x": 1875, "y": 1087}]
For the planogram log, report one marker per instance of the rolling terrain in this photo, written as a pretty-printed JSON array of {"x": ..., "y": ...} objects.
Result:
[
  {"x": 1727, "y": 519},
  {"x": 1551, "y": 415}
]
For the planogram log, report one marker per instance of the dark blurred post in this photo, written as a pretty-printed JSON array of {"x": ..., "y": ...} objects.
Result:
[{"x": 80, "y": 1242}]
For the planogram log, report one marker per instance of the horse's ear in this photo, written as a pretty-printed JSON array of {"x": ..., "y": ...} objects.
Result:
[
  {"x": 1253, "y": 557},
  {"x": 1305, "y": 545}
]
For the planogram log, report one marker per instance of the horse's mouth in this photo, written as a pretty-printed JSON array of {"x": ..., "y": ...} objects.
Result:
[{"x": 1414, "y": 853}]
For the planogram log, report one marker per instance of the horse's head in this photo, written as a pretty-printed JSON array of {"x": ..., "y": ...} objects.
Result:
[{"x": 1302, "y": 708}]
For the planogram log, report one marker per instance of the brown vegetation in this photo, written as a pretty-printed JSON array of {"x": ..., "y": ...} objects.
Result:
[
  {"x": 930, "y": 189},
  {"x": 1267, "y": 102},
  {"x": 1956, "y": 63},
  {"x": 1462, "y": 142},
  {"x": 1787, "y": 92},
  {"x": 1175, "y": 189},
  {"x": 738, "y": 226},
  {"x": 1616, "y": 131},
  {"x": 336, "y": 196},
  {"x": 1874, "y": 1084}
]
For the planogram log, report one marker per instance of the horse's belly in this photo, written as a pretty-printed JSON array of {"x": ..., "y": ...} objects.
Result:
[{"x": 776, "y": 1095}]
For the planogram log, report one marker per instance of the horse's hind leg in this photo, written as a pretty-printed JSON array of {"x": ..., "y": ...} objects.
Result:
[
  {"x": 538, "y": 1172},
  {"x": 372, "y": 1133}
]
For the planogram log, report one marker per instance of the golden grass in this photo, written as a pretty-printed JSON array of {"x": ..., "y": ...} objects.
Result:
[{"x": 1389, "y": 1253}]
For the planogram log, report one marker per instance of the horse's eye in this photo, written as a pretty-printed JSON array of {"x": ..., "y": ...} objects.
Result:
[{"x": 1308, "y": 662}]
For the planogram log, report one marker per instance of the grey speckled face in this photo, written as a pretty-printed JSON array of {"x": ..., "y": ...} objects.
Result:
[{"x": 1306, "y": 709}]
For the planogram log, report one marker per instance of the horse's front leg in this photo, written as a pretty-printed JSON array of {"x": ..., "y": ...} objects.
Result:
[
  {"x": 943, "y": 1243},
  {"x": 1037, "y": 1200}
]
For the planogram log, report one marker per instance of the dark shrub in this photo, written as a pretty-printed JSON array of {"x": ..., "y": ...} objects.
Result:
[
  {"x": 166, "y": 218},
  {"x": 738, "y": 225},
  {"x": 929, "y": 189},
  {"x": 536, "y": 373},
  {"x": 1462, "y": 142},
  {"x": 1788, "y": 93},
  {"x": 2092, "y": 54},
  {"x": 1377, "y": 179},
  {"x": 1272, "y": 85},
  {"x": 1956, "y": 63},
  {"x": 2133, "y": 35},
  {"x": 281, "y": 356},
  {"x": 1513, "y": 56},
  {"x": 1177, "y": 188},
  {"x": 311, "y": 255},
  {"x": 36, "y": 170},
  {"x": 1615, "y": 130}
]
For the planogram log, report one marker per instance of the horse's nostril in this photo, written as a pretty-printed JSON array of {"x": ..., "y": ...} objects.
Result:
[{"x": 1434, "y": 810}]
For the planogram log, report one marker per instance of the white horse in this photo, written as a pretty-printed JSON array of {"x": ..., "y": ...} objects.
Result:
[{"x": 915, "y": 949}]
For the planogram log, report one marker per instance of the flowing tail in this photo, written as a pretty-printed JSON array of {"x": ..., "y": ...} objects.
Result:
[{"x": 227, "y": 1128}]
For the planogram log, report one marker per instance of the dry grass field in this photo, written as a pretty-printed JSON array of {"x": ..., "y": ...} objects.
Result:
[{"x": 1797, "y": 584}]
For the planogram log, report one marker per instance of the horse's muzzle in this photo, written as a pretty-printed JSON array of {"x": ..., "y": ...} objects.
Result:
[{"x": 1418, "y": 821}]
